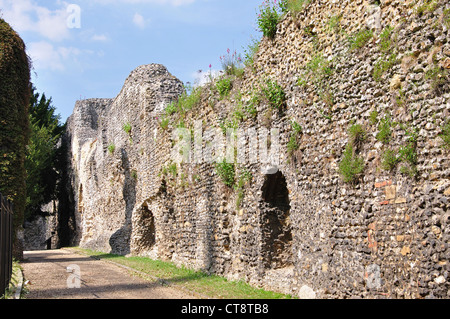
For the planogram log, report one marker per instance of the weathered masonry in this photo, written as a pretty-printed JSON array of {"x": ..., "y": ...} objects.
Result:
[{"x": 380, "y": 69}]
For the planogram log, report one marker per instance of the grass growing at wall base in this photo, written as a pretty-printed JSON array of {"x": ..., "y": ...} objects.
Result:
[
  {"x": 14, "y": 282},
  {"x": 208, "y": 285}
]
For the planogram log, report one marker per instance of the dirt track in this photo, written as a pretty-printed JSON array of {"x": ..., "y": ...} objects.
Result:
[{"x": 48, "y": 277}]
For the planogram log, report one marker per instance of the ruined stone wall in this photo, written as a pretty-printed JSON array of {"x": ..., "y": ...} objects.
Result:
[
  {"x": 302, "y": 230},
  {"x": 40, "y": 231}
]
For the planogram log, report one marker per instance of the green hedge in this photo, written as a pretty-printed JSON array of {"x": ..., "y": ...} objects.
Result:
[{"x": 14, "y": 122}]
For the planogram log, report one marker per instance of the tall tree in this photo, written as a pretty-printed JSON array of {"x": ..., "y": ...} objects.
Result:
[{"x": 41, "y": 161}]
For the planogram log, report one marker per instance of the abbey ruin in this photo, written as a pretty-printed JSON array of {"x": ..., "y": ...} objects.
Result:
[{"x": 362, "y": 80}]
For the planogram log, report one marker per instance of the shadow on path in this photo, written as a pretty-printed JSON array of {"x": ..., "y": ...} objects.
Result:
[{"x": 52, "y": 273}]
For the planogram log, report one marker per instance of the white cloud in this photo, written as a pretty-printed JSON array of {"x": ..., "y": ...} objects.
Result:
[
  {"x": 139, "y": 21},
  {"x": 27, "y": 16},
  {"x": 46, "y": 56}
]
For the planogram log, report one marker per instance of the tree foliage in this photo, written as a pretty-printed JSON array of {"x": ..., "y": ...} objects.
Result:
[{"x": 42, "y": 153}]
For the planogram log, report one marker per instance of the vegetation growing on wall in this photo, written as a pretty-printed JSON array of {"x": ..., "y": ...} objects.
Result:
[
  {"x": 384, "y": 134},
  {"x": 387, "y": 47},
  {"x": 359, "y": 39},
  {"x": 274, "y": 93},
  {"x": 439, "y": 79},
  {"x": 224, "y": 86},
  {"x": 226, "y": 172},
  {"x": 351, "y": 165},
  {"x": 232, "y": 63},
  {"x": 268, "y": 19},
  {"x": 250, "y": 53},
  {"x": 245, "y": 177},
  {"x": 445, "y": 135},
  {"x": 293, "y": 144}
]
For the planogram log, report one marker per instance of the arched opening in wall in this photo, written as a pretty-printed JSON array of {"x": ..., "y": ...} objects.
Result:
[
  {"x": 275, "y": 222},
  {"x": 143, "y": 230}
]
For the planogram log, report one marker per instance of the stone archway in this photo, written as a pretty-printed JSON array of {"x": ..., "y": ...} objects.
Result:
[
  {"x": 143, "y": 235},
  {"x": 275, "y": 222}
]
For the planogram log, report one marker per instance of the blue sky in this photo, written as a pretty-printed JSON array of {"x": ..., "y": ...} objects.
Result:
[{"x": 93, "y": 59}]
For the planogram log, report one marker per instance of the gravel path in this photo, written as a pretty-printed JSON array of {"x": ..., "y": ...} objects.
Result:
[{"x": 49, "y": 278}]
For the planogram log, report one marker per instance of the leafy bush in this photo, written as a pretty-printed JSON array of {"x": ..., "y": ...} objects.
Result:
[
  {"x": 172, "y": 108},
  {"x": 293, "y": 145},
  {"x": 127, "y": 128},
  {"x": 360, "y": 38},
  {"x": 316, "y": 70},
  {"x": 164, "y": 124},
  {"x": 384, "y": 64},
  {"x": 293, "y": 6},
  {"x": 389, "y": 57},
  {"x": 408, "y": 153},
  {"x": 250, "y": 106},
  {"x": 373, "y": 119},
  {"x": 351, "y": 165},
  {"x": 445, "y": 135},
  {"x": 334, "y": 24},
  {"x": 386, "y": 44},
  {"x": 173, "y": 170},
  {"x": 224, "y": 86},
  {"x": 411, "y": 171},
  {"x": 187, "y": 101},
  {"x": 274, "y": 94},
  {"x": 389, "y": 160},
  {"x": 319, "y": 66},
  {"x": 244, "y": 177},
  {"x": 439, "y": 78},
  {"x": 446, "y": 18},
  {"x": 111, "y": 148},
  {"x": 296, "y": 128},
  {"x": 268, "y": 19},
  {"x": 227, "y": 124},
  {"x": 226, "y": 171},
  {"x": 384, "y": 134},
  {"x": 426, "y": 6},
  {"x": 357, "y": 135},
  {"x": 40, "y": 167}
]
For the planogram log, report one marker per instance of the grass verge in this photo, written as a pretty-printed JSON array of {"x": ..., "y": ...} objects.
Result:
[
  {"x": 211, "y": 286},
  {"x": 14, "y": 282}
]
